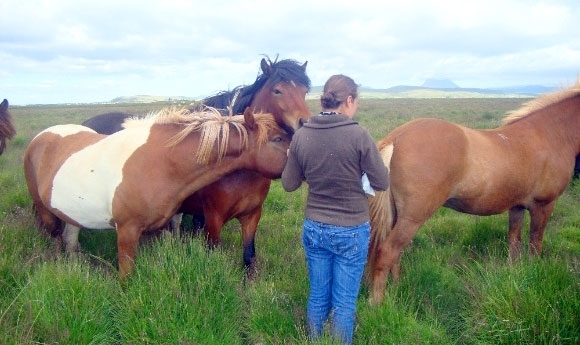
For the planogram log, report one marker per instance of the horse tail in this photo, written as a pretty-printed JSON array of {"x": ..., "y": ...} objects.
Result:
[{"x": 382, "y": 213}]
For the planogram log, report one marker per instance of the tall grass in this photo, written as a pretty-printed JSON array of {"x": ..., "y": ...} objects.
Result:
[{"x": 456, "y": 285}]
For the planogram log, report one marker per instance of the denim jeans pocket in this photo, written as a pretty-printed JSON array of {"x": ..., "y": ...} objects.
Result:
[
  {"x": 344, "y": 243},
  {"x": 309, "y": 236}
]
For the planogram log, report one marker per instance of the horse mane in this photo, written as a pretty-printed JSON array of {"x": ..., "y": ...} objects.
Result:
[
  {"x": 541, "y": 102},
  {"x": 214, "y": 129},
  {"x": 239, "y": 98}
]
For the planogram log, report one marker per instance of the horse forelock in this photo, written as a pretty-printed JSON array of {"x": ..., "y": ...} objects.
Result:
[
  {"x": 266, "y": 124},
  {"x": 542, "y": 102}
]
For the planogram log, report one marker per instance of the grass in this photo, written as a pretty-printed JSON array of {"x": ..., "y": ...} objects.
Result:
[{"x": 456, "y": 286}]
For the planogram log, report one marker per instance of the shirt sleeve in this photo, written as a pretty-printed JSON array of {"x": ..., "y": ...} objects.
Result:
[
  {"x": 292, "y": 175},
  {"x": 373, "y": 165}
]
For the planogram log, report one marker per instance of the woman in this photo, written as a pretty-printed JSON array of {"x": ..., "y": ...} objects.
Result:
[{"x": 331, "y": 152}]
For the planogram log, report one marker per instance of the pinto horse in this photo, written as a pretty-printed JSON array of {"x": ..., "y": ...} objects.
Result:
[
  {"x": 7, "y": 130},
  {"x": 525, "y": 164},
  {"x": 136, "y": 179},
  {"x": 280, "y": 90}
]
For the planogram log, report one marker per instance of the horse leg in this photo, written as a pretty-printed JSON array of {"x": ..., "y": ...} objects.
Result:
[
  {"x": 127, "y": 241},
  {"x": 70, "y": 239},
  {"x": 213, "y": 228},
  {"x": 539, "y": 217},
  {"x": 249, "y": 224},
  {"x": 175, "y": 224},
  {"x": 516, "y": 220},
  {"x": 49, "y": 224},
  {"x": 388, "y": 259}
]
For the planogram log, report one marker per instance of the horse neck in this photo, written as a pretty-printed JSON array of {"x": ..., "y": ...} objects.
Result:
[
  {"x": 559, "y": 123},
  {"x": 195, "y": 174}
]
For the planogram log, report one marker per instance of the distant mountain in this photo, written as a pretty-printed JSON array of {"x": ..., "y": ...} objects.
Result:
[{"x": 439, "y": 84}]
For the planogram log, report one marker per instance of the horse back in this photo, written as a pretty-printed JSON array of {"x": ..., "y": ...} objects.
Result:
[{"x": 107, "y": 123}]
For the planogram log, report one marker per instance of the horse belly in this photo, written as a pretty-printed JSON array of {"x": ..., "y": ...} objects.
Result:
[
  {"x": 84, "y": 186},
  {"x": 84, "y": 196}
]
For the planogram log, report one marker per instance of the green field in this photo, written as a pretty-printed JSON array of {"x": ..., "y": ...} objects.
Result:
[{"x": 456, "y": 285}]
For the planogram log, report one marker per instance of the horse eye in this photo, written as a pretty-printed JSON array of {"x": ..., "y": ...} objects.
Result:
[{"x": 277, "y": 92}]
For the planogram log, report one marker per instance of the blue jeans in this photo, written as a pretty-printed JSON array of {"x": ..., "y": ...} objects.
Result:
[{"x": 336, "y": 258}]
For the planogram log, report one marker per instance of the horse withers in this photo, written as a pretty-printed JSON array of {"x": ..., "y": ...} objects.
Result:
[
  {"x": 7, "y": 130},
  {"x": 136, "y": 179},
  {"x": 525, "y": 164},
  {"x": 280, "y": 89}
]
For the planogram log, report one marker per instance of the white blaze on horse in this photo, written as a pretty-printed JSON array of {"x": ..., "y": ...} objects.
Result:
[
  {"x": 526, "y": 164},
  {"x": 136, "y": 179}
]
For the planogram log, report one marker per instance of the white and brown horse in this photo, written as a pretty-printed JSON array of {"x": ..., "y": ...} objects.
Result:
[
  {"x": 280, "y": 89},
  {"x": 136, "y": 179},
  {"x": 7, "y": 130},
  {"x": 525, "y": 164}
]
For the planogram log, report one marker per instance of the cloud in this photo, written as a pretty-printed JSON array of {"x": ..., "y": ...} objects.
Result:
[{"x": 76, "y": 51}]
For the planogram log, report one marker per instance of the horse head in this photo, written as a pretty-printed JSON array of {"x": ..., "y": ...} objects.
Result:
[
  {"x": 284, "y": 85},
  {"x": 268, "y": 143},
  {"x": 7, "y": 130}
]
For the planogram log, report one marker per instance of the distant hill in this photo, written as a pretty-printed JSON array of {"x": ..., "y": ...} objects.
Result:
[
  {"x": 431, "y": 88},
  {"x": 444, "y": 88},
  {"x": 150, "y": 99}
]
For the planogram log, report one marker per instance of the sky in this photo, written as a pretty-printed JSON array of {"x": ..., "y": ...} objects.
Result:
[{"x": 77, "y": 51}]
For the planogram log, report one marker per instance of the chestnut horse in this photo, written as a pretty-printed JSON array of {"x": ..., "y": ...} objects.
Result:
[
  {"x": 525, "y": 164},
  {"x": 135, "y": 180},
  {"x": 280, "y": 90},
  {"x": 7, "y": 130}
]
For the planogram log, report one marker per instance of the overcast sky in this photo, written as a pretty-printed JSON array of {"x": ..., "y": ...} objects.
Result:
[{"x": 60, "y": 51}]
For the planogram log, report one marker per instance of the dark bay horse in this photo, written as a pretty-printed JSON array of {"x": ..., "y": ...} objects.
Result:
[
  {"x": 7, "y": 130},
  {"x": 280, "y": 89},
  {"x": 136, "y": 179},
  {"x": 525, "y": 164}
]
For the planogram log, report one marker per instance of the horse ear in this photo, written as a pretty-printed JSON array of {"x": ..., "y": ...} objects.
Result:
[
  {"x": 4, "y": 105},
  {"x": 266, "y": 68},
  {"x": 249, "y": 118},
  {"x": 304, "y": 66}
]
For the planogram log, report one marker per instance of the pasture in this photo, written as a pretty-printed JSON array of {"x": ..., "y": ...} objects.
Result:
[{"x": 456, "y": 284}]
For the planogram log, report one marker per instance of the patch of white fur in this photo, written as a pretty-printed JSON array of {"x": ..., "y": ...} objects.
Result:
[
  {"x": 65, "y": 130},
  {"x": 85, "y": 184},
  {"x": 387, "y": 154}
]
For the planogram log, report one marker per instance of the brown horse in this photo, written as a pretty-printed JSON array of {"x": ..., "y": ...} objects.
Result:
[
  {"x": 135, "y": 180},
  {"x": 280, "y": 90},
  {"x": 7, "y": 130},
  {"x": 525, "y": 164}
]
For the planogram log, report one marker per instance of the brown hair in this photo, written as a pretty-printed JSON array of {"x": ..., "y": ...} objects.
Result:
[{"x": 336, "y": 91}]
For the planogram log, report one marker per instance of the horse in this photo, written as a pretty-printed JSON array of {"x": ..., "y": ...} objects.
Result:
[
  {"x": 524, "y": 164},
  {"x": 280, "y": 89},
  {"x": 135, "y": 180},
  {"x": 7, "y": 130},
  {"x": 108, "y": 123}
]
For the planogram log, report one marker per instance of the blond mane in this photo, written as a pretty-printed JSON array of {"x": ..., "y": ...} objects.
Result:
[
  {"x": 541, "y": 102},
  {"x": 215, "y": 129}
]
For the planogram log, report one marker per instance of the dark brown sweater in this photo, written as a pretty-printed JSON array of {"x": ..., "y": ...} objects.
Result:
[{"x": 330, "y": 153}]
